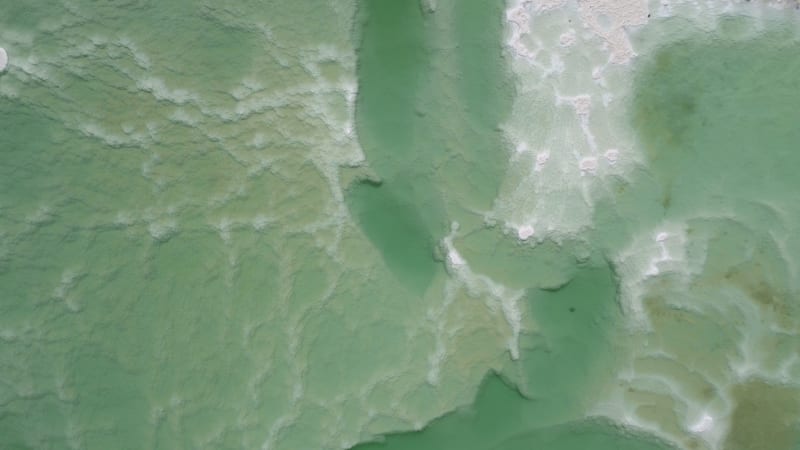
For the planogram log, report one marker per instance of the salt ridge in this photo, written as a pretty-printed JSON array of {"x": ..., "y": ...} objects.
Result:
[{"x": 497, "y": 295}]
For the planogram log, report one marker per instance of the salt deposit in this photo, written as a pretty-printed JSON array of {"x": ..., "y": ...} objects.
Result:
[
  {"x": 704, "y": 423},
  {"x": 524, "y": 232},
  {"x": 612, "y": 155}
]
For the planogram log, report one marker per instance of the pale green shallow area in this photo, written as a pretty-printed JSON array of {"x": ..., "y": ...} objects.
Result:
[
  {"x": 178, "y": 265},
  {"x": 221, "y": 226}
]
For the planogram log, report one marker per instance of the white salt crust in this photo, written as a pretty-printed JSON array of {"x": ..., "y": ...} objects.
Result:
[{"x": 3, "y": 59}]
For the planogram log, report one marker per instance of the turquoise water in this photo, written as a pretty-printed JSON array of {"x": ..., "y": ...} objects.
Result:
[{"x": 398, "y": 224}]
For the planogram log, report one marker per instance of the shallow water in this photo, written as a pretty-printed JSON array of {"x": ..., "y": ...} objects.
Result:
[{"x": 436, "y": 224}]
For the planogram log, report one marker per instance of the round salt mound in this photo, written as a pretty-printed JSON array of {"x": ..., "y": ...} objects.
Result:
[{"x": 3, "y": 59}]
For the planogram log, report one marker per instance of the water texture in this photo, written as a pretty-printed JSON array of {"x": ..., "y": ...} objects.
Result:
[{"x": 399, "y": 224}]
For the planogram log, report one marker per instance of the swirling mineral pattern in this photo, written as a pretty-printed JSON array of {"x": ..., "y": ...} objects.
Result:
[{"x": 400, "y": 224}]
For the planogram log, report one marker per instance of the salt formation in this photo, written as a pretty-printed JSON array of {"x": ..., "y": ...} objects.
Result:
[
  {"x": 3, "y": 59},
  {"x": 575, "y": 91},
  {"x": 525, "y": 231}
]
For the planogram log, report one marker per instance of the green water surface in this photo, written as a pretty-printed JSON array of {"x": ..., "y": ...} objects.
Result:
[{"x": 182, "y": 267}]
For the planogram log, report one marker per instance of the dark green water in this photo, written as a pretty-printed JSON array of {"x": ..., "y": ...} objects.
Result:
[
  {"x": 501, "y": 419},
  {"x": 432, "y": 94}
]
